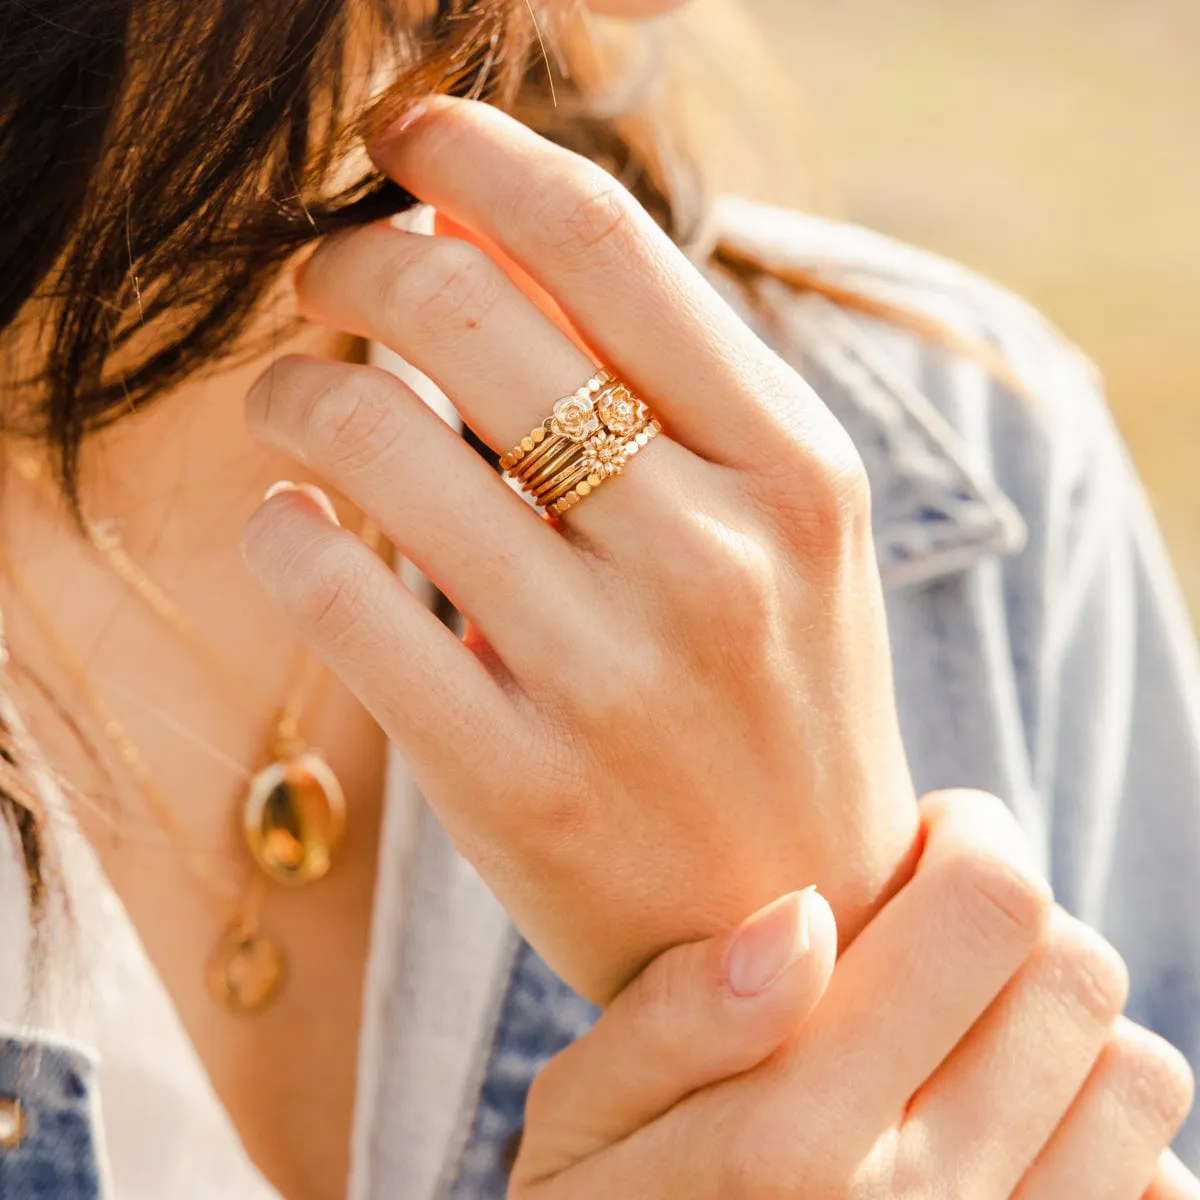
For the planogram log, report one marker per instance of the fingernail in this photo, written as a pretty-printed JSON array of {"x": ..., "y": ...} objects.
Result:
[
  {"x": 408, "y": 117},
  {"x": 321, "y": 500},
  {"x": 313, "y": 492},
  {"x": 280, "y": 485},
  {"x": 767, "y": 944}
]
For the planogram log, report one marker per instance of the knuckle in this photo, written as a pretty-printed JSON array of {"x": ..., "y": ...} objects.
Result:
[
  {"x": 262, "y": 400},
  {"x": 1152, "y": 1077},
  {"x": 1087, "y": 969},
  {"x": 1000, "y": 896},
  {"x": 943, "y": 807},
  {"x": 826, "y": 498},
  {"x": 354, "y": 421},
  {"x": 447, "y": 285},
  {"x": 333, "y": 594},
  {"x": 585, "y": 209},
  {"x": 904, "y": 1162},
  {"x": 550, "y": 797}
]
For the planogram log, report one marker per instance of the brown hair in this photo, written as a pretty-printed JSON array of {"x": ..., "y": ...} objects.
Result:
[{"x": 160, "y": 162}]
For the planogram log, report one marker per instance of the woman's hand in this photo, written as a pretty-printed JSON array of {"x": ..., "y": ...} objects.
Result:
[
  {"x": 680, "y": 705},
  {"x": 968, "y": 1046}
]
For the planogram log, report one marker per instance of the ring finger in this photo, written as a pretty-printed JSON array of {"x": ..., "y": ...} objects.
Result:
[
  {"x": 453, "y": 313},
  {"x": 377, "y": 442}
]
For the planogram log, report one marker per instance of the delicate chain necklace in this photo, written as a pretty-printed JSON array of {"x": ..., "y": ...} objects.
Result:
[{"x": 292, "y": 814}]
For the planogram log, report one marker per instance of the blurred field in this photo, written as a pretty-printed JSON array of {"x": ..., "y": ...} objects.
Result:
[{"x": 1054, "y": 145}]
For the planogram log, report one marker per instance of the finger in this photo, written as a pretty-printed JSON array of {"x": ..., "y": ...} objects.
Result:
[
  {"x": 1172, "y": 1181},
  {"x": 630, "y": 292},
  {"x": 1039, "y": 1042},
  {"x": 698, "y": 1014},
  {"x": 414, "y": 676},
  {"x": 1109, "y": 1144},
  {"x": 927, "y": 967},
  {"x": 450, "y": 311},
  {"x": 376, "y": 442},
  {"x": 447, "y": 227}
]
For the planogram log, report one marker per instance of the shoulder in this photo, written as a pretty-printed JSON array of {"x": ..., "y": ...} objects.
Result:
[
  {"x": 907, "y": 278},
  {"x": 899, "y": 274},
  {"x": 964, "y": 401}
]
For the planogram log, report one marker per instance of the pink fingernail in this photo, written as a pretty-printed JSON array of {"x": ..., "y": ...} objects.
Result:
[
  {"x": 314, "y": 493},
  {"x": 768, "y": 944},
  {"x": 411, "y": 114},
  {"x": 280, "y": 485},
  {"x": 320, "y": 499}
]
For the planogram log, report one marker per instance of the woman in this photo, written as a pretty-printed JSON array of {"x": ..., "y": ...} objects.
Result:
[{"x": 670, "y": 707}]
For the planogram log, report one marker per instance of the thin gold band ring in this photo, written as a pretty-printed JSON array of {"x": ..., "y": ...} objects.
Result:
[{"x": 589, "y": 437}]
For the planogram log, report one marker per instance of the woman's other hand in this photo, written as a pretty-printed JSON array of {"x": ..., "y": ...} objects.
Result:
[
  {"x": 682, "y": 708},
  {"x": 968, "y": 1045}
]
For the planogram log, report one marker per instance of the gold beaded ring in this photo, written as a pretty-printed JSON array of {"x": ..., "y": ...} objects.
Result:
[
  {"x": 556, "y": 507},
  {"x": 545, "y": 437},
  {"x": 589, "y": 437}
]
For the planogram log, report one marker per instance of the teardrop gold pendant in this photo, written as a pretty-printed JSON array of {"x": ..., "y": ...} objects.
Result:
[
  {"x": 246, "y": 971},
  {"x": 294, "y": 818}
]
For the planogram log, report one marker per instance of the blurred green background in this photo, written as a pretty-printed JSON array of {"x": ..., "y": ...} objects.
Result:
[{"x": 1053, "y": 145}]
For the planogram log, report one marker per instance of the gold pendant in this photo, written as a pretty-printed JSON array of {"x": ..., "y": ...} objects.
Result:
[
  {"x": 294, "y": 818},
  {"x": 246, "y": 970}
]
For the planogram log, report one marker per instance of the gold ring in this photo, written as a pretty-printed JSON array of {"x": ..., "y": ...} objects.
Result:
[
  {"x": 589, "y": 437},
  {"x": 538, "y": 442},
  {"x": 559, "y": 506}
]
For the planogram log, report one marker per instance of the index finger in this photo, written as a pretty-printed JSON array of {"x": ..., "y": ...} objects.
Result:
[{"x": 624, "y": 285}]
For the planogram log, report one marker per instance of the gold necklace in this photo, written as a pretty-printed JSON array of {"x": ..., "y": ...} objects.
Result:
[
  {"x": 293, "y": 813},
  {"x": 247, "y": 967}
]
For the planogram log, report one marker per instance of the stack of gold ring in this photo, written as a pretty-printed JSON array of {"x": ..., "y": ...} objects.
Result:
[{"x": 588, "y": 438}]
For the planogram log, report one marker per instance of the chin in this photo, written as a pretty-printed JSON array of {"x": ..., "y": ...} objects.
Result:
[{"x": 634, "y": 8}]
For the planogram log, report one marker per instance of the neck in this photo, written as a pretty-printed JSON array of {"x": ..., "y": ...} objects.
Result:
[
  {"x": 184, "y": 475},
  {"x": 179, "y": 480},
  {"x": 176, "y": 482}
]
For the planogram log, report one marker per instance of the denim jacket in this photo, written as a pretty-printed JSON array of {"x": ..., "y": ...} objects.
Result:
[{"x": 1042, "y": 652}]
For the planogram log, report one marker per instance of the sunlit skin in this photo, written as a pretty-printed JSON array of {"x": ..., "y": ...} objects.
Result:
[{"x": 184, "y": 479}]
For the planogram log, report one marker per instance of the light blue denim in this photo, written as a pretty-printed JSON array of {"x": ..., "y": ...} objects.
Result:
[
  {"x": 1041, "y": 648},
  {"x": 58, "y": 1156}
]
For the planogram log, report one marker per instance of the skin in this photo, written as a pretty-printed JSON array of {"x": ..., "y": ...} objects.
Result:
[
  {"x": 902, "y": 1098},
  {"x": 692, "y": 1086},
  {"x": 619, "y": 730},
  {"x": 181, "y": 480},
  {"x": 184, "y": 477}
]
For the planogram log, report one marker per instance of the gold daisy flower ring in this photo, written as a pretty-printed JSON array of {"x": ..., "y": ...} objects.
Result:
[{"x": 588, "y": 437}]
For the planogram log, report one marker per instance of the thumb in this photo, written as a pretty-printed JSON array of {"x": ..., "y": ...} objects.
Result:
[{"x": 698, "y": 1014}]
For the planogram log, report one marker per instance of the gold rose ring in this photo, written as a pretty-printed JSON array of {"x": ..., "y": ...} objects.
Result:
[{"x": 588, "y": 437}]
